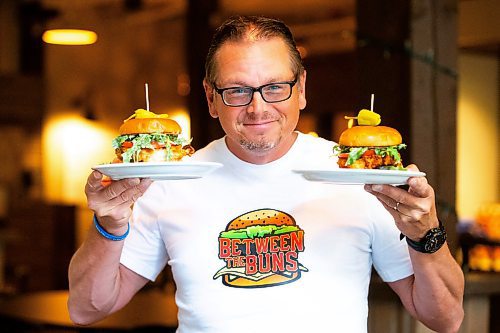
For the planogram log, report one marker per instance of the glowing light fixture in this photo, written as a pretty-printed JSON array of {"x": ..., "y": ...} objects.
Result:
[
  {"x": 71, "y": 145},
  {"x": 69, "y": 37}
]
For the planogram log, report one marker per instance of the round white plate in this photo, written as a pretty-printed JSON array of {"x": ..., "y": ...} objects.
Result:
[
  {"x": 158, "y": 171},
  {"x": 360, "y": 176}
]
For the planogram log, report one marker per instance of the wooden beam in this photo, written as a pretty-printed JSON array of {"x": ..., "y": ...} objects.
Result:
[
  {"x": 199, "y": 33},
  {"x": 407, "y": 57},
  {"x": 433, "y": 54},
  {"x": 383, "y": 64}
]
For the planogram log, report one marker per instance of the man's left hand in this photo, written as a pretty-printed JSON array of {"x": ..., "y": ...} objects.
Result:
[{"x": 414, "y": 211}]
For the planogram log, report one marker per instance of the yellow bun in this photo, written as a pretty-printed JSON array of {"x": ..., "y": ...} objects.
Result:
[
  {"x": 261, "y": 217},
  {"x": 150, "y": 125},
  {"x": 370, "y": 136}
]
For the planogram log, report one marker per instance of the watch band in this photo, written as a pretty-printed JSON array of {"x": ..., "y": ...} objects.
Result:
[{"x": 433, "y": 240}]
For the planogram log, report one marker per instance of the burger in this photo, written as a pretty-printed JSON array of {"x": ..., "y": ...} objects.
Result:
[
  {"x": 149, "y": 137},
  {"x": 370, "y": 147},
  {"x": 260, "y": 249}
]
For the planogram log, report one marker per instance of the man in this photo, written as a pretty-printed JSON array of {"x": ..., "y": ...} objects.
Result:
[{"x": 254, "y": 247}]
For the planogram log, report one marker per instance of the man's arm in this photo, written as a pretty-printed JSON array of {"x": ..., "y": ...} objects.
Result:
[
  {"x": 98, "y": 284},
  {"x": 434, "y": 294}
]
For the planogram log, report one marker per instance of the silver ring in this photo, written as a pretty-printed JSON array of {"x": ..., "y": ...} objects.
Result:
[{"x": 396, "y": 208}]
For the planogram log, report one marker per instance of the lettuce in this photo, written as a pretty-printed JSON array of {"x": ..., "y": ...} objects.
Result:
[
  {"x": 141, "y": 141},
  {"x": 355, "y": 153},
  {"x": 258, "y": 231}
]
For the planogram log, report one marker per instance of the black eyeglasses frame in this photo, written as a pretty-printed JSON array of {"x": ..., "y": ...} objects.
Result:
[{"x": 220, "y": 91}]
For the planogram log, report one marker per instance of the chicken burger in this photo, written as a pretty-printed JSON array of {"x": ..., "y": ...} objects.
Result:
[
  {"x": 150, "y": 137},
  {"x": 370, "y": 147}
]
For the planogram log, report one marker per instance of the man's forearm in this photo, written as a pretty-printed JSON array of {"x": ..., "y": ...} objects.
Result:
[
  {"x": 438, "y": 290},
  {"x": 94, "y": 279}
]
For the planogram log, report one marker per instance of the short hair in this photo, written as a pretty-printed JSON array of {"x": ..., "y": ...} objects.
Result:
[{"x": 238, "y": 28}]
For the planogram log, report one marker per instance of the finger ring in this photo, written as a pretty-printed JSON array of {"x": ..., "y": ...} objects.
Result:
[{"x": 396, "y": 208}]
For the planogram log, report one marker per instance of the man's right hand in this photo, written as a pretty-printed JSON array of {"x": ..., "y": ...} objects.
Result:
[
  {"x": 98, "y": 283},
  {"x": 112, "y": 203}
]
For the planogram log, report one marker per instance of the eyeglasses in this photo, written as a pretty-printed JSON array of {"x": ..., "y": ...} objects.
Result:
[{"x": 271, "y": 93}]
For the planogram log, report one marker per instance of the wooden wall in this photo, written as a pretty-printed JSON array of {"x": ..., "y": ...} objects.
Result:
[{"x": 40, "y": 247}]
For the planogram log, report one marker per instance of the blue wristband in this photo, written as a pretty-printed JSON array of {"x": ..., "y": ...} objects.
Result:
[{"x": 107, "y": 235}]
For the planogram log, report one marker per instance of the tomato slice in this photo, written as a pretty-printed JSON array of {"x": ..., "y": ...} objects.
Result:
[
  {"x": 127, "y": 144},
  {"x": 369, "y": 152},
  {"x": 157, "y": 145},
  {"x": 344, "y": 155}
]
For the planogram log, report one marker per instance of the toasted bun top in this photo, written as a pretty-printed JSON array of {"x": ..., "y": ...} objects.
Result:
[
  {"x": 261, "y": 217},
  {"x": 150, "y": 125},
  {"x": 370, "y": 136}
]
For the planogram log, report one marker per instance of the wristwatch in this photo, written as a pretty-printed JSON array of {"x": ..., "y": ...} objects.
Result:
[{"x": 433, "y": 240}]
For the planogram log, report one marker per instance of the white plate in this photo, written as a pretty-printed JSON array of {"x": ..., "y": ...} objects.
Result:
[
  {"x": 158, "y": 171},
  {"x": 359, "y": 176}
]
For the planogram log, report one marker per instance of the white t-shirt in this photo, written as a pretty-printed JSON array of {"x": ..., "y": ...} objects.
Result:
[{"x": 340, "y": 232}]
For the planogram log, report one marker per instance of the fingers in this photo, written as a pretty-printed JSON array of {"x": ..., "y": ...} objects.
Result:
[
  {"x": 114, "y": 216},
  {"x": 412, "y": 167},
  {"x": 115, "y": 199},
  {"x": 410, "y": 203},
  {"x": 118, "y": 189},
  {"x": 418, "y": 186},
  {"x": 413, "y": 210},
  {"x": 93, "y": 184},
  {"x": 388, "y": 194},
  {"x": 396, "y": 201},
  {"x": 400, "y": 218},
  {"x": 126, "y": 193},
  {"x": 111, "y": 201},
  {"x": 405, "y": 210}
]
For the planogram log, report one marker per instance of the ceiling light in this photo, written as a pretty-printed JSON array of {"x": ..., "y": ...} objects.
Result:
[{"x": 69, "y": 37}]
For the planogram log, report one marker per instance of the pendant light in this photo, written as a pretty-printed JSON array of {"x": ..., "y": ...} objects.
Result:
[
  {"x": 70, "y": 27},
  {"x": 69, "y": 37}
]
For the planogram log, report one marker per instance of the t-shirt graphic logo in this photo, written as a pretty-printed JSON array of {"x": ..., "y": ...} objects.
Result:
[{"x": 261, "y": 249}]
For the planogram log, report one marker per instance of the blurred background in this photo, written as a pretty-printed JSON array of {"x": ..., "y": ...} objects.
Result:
[{"x": 433, "y": 67}]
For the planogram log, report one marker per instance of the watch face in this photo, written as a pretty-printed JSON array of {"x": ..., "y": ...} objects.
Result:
[{"x": 435, "y": 238}]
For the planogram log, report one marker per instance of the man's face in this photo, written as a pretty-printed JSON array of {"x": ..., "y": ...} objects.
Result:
[{"x": 259, "y": 132}]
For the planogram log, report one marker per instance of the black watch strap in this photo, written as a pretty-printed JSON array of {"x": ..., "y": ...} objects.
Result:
[{"x": 432, "y": 241}]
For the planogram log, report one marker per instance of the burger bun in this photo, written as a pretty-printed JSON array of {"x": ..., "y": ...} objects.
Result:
[
  {"x": 370, "y": 136},
  {"x": 261, "y": 217},
  {"x": 269, "y": 280},
  {"x": 150, "y": 125}
]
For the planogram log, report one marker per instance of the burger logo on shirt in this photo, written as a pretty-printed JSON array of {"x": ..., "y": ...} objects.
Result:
[{"x": 261, "y": 249}]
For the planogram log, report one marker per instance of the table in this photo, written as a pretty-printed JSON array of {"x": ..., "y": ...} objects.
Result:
[{"x": 148, "y": 308}]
